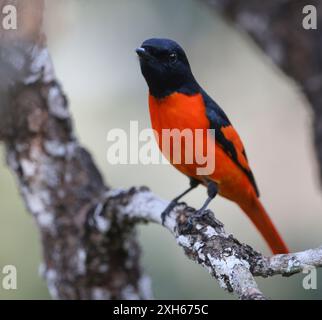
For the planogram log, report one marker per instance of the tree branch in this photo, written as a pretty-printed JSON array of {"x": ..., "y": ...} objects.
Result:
[
  {"x": 87, "y": 229},
  {"x": 58, "y": 178},
  {"x": 232, "y": 263}
]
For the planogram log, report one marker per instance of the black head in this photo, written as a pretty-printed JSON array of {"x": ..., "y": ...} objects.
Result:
[{"x": 166, "y": 68}]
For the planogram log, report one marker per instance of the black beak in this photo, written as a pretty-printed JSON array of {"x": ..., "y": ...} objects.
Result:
[{"x": 142, "y": 53}]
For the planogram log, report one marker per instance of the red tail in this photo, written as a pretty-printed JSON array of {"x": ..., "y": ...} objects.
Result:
[{"x": 258, "y": 215}]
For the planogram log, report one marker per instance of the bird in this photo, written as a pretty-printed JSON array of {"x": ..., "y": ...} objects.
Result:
[{"x": 177, "y": 101}]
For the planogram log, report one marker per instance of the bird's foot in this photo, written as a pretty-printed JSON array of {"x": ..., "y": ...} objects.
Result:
[
  {"x": 197, "y": 215},
  {"x": 167, "y": 211}
]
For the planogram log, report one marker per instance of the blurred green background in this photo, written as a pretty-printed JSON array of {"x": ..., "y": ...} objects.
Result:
[{"x": 92, "y": 45}]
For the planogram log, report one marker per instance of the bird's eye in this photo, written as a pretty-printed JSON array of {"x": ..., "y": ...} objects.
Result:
[{"x": 173, "y": 57}]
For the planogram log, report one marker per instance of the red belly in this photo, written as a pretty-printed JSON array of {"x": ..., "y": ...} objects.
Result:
[{"x": 179, "y": 111}]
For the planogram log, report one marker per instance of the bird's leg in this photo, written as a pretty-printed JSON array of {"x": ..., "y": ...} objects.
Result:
[
  {"x": 212, "y": 190},
  {"x": 193, "y": 184}
]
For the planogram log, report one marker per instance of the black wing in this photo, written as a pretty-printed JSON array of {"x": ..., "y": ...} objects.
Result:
[{"x": 227, "y": 137}]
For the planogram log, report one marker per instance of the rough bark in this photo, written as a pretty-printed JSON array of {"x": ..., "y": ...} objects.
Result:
[
  {"x": 276, "y": 27},
  {"x": 87, "y": 229},
  {"x": 84, "y": 258},
  {"x": 230, "y": 262}
]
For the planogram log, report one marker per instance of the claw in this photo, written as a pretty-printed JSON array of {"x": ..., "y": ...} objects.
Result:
[
  {"x": 193, "y": 184},
  {"x": 167, "y": 211},
  {"x": 199, "y": 214}
]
